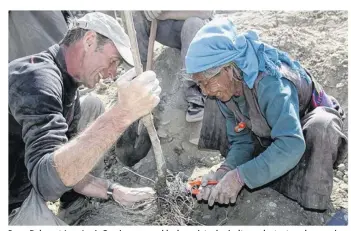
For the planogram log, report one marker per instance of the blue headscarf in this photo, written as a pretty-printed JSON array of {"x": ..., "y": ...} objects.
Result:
[{"x": 217, "y": 43}]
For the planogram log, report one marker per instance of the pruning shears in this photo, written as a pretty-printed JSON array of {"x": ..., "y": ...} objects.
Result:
[{"x": 193, "y": 186}]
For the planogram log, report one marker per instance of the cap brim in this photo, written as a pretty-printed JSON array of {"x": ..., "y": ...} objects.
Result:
[{"x": 126, "y": 54}]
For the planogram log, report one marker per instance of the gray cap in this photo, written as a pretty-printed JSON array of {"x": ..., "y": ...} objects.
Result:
[{"x": 110, "y": 28}]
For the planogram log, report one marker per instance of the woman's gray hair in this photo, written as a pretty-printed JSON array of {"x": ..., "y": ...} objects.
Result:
[{"x": 211, "y": 72}]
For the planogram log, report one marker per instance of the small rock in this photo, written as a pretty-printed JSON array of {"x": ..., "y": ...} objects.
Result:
[
  {"x": 160, "y": 107},
  {"x": 339, "y": 85},
  {"x": 211, "y": 158},
  {"x": 96, "y": 205},
  {"x": 170, "y": 139},
  {"x": 248, "y": 201},
  {"x": 345, "y": 179},
  {"x": 162, "y": 133},
  {"x": 177, "y": 149},
  {"x": 336, "y": 179},
  {"x": 272, "y": 204},
  {"x": 339, "y": 175},
  {"x": 339, "y": 190},
  {"x": 322, "y": 220},
  {"x": 341, "y": 167},
  {"x": 206, "y": 217},
  {"x": 165, "y": 122},
  {"x": 344, "y": 187}
]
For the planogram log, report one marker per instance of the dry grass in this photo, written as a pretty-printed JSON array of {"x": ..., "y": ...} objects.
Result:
[{"x": 175, "y": 208}]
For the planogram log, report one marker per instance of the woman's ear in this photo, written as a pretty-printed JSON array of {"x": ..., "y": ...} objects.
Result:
[{"x": 229, "y": 71}]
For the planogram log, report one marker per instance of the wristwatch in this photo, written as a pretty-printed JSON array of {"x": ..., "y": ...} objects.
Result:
[{"x": 110, "y": 188}]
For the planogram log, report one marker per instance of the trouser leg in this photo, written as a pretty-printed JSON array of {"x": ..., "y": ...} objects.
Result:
[
  {"x": 310, "y": 182},
  {"x": 190, "y": 27}
]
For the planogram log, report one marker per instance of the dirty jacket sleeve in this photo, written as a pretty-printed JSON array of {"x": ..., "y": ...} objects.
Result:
[
  {"x": 278, "y": 101},
  {"x": 35, "y": 101}
]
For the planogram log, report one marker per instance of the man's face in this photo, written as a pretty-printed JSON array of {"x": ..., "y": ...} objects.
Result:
[
  {"x": 98, "y": 62},
  {"x": 222, "y": 86}
]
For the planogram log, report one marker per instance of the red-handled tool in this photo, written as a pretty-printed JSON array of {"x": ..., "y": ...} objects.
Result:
[{"x": 193, "y": 186}]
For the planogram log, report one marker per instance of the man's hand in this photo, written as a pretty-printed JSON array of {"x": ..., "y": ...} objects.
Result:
[
  {"x": 205, "y": 190},
  {"x": 128, "y": 196},
  {"x": 152, "y": 14},
  {"x": 227, "y": 189},
  {"x": 140, "y": 95}
]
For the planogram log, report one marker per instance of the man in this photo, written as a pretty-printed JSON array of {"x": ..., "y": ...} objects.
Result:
[
  {"x": 44, "y": 113},
  {"x": 274, "y": 108},
  {"x": 175, "y": 29}
]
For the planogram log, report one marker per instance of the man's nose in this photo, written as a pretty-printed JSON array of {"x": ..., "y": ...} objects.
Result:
[{"x": 110, "y": 73}]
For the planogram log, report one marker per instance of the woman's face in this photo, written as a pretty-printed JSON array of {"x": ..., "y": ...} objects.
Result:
[{"x": 223, "y": 86}]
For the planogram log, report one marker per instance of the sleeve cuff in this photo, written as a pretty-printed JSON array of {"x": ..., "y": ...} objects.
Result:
[{"x": 49, "y": 184}]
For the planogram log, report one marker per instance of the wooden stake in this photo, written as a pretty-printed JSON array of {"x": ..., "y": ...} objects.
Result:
[
  {"x": 161, "y": 185},
  {"x": 150, "y": 51}
]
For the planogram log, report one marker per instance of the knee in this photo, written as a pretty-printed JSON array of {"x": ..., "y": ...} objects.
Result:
[
  {"x": 194, "y": 22},
  {"x": 322, "y": 120},
  {"x": 192, "y": 25},
  {"x": 92, "y": 103}
]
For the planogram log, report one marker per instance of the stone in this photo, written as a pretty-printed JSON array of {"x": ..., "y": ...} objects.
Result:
[
  {"x": 336, "y": 180},
  {"x": 206, "y": 217},
  {"x": 165, "y": 122},
  {"x": 345, "y": 179},
  {"x": 272, "y": 204},
  {"x": 341, "y": 167},
  {"x": 178, "y": 149},
  {"x": 170, "y": 139},
  {"x": 162, "y": 133},
  {"x": 339, "y": 85},
  {"x": 115, "y": 170},
  {"x": 211, "y": 158},
  {"x": 339, "y": 175},
  {"x": 344, "y": 187}
]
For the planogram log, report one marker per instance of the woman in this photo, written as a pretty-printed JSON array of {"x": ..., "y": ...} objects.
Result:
[{"x": 270, "y": 103}]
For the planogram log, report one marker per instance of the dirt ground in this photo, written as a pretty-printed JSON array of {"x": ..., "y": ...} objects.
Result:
[{"x": 319, "y": 41}]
